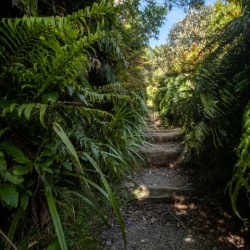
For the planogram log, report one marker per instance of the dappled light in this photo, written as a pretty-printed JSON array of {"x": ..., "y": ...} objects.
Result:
[{"x": 141, "y": 192}]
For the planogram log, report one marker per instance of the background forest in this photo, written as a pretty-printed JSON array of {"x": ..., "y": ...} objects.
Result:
[{"x": 73, "y": 79}]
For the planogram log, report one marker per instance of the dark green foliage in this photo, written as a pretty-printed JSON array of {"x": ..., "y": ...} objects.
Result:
[
  {"x": 210, "y": 101},
  {"x": 61, "y": 136}
]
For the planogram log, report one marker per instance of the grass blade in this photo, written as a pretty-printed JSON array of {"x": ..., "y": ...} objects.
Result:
[
  {"x": 111, "y": 197},
  {"x": 56, "y": 219},
  {"x": 13, "y": 227},
  {"x": 60, "y": 132},
  {"x": 91, "y": 204}
]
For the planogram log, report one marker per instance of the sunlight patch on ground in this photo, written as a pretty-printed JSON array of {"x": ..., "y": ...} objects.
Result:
[
  {"x": 181, "y": 207},
  {"x": 141, "y": 192},
  {"x": 233, "y": 239}
]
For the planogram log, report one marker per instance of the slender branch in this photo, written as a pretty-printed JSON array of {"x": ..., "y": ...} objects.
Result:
[
  {"x": 7, "y": 239},
  {"x": 178, "y": 220}
]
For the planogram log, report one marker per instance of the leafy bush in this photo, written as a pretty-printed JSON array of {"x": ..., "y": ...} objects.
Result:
[
  {"x": 210, "y": 99},
  {"x": 61, "y": 137}
]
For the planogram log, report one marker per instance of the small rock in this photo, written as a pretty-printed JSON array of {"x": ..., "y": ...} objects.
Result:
[
  {"x": 188, "y": 240},
  {"x": 108, "y": 243}
]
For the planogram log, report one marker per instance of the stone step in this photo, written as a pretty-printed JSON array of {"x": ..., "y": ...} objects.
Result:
[
  {"x": 162, "y": 154},
  {"x": 147, "y": 192},
  {"x": 154, "y": 129},
  {"x": 163, "y": 136}
]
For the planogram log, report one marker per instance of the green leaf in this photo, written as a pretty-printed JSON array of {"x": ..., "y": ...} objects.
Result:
[
  {"x": 12, "y": 106},
  {"x": 55, "y": 218},
  {"x": 110, "y": 197},
  {"x": 42, "y": 108},
  {"x": 21, "y": 170},
  {"x": 47, "y": 153},
  {"x": 21, "y": 109},
  {"x": 24, "y": 200},
  {"x": 6, "y": 103},
  {"x": 50, "y": 98},
  {"x": 15, "y": 179},
  {"x": 9, "y": 195},
  {"x": 3, "y": 164},
  {"x": 3, "y": 131},
  {"x": 54, "y": 245},
  {"x": 60, "y": 132},
  {"x": 15, "y": 152},
  {"x": 92, "y": 205},
  {"x": 68, "y": 165},
  {"x": 28, "y": 110}
]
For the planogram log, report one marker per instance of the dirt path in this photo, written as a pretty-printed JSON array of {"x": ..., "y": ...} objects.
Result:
[{"x": 166, "y": 210}]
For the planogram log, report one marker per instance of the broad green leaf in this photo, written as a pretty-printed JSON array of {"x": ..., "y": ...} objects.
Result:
[
  {"x": 21, "y": 170},
  {"x": 15, "y": 179},
  {"x": 9, "y": 195},
  {"x": 15, "y": 152},
  {"x": 3, "y": 164},
  {"x": 24, "y": 200}
]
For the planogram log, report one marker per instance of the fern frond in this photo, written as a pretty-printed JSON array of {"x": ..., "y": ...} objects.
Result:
[
  {"x": 241, "y": 178},
  {"x": 27, "y": 109},
  {"x": 210, "y": 106},
  {"x": 43, "y": 46}
]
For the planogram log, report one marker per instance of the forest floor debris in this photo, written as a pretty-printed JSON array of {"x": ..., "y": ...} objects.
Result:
[{"x": 184, "y": 222}]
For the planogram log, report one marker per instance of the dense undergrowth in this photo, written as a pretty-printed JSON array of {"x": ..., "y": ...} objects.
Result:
[
  {"x": 204, "y": 87},
  {"x": 64, "y": 135}
]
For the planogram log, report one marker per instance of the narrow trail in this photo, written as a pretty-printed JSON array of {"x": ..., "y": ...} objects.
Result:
[{"x": 166, "y": 210}]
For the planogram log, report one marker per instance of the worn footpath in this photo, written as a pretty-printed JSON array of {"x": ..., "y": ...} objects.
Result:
[{"x": 166, "y": 210}]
